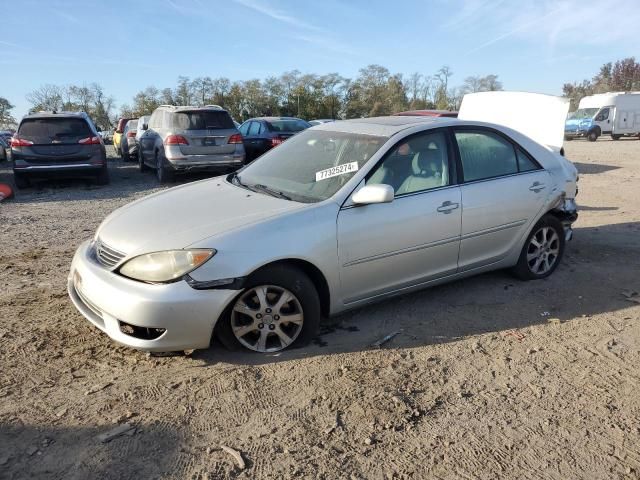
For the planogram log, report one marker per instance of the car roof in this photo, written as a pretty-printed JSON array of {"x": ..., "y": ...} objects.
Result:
[
  {"x": 192, "y": 108},
  {"x": 273, "y": 119},
  {"x": 56, "y": 115},
  {"x": 383, "y": 126}
]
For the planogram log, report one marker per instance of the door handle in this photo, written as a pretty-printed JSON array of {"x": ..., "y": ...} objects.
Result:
[
  {"x": 537, "y": 187},
  {"x": 447, "y": 207}
]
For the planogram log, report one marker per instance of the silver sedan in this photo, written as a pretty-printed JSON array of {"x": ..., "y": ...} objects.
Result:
[{"x": 339, "y": 216}]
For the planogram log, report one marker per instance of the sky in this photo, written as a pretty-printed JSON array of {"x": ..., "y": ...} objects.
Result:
[{"x": 127, "y": 45}]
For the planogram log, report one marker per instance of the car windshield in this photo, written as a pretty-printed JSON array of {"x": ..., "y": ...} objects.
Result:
[
  {"x": 311, "y": 166},
  {"x": 292, "y": 125},
  {"x": 203, "y": 120},
  {"x": 585, "y": 113},
  {"x": 54, "y": 130}
]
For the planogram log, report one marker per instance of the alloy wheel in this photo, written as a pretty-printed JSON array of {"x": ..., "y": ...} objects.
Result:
[
  {"x": 267, "y": 318},
  {"x": 543, "y": 250}
]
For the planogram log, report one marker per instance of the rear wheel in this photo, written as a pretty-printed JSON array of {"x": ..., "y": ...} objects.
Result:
[
  {"x": 568, "y": 138},
  {"x": 278, "y": 309},
  {"x": 103, "y": 177},
  {"x": 616, "y": 137},
  {"x": 141, "y": 165},
  {"x": 21, "y": 180},
  {"x": 163, "y": 173},
  {"x": 542, "y": 251}
]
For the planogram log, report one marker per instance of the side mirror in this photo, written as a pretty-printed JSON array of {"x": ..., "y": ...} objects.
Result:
[
  {"x": 145, "y": 126},
  {"x": 373, "y": 194}
]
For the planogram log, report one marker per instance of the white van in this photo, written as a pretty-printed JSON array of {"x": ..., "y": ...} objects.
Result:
[{"x": 614, "y": 113}]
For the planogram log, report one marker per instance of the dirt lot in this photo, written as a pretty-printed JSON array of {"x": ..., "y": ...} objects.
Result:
[{"x": 490, "y": 378}]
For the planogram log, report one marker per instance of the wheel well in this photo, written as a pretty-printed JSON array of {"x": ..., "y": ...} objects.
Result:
[
  {"x": 596, "y": 129},
  {"x": 316, "y": 276}
]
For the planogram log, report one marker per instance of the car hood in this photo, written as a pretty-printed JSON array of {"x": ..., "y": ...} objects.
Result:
[
  {"x": 181, "y": 216},
  {"x": 539, "y": 117}
]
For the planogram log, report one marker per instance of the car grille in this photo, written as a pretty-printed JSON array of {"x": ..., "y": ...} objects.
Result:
[{"x": 107, "y": 256}]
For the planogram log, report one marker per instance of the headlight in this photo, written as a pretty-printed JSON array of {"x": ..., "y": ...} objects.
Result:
[{"x": 165, "y": 266}]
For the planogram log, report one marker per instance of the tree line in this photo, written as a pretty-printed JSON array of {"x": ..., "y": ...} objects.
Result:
[
  {"x": 375, "y": 91},
  {"x": 621, "y": 76}
]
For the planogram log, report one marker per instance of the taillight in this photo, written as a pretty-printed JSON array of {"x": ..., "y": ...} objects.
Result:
[
  {"x": 275, "y": 141},
  {"x": 20, "y": 142},
  {"x": 131, "y": 133},
  {"x": 90, "y": 141},
  {"x": 235, "y": 138},
  {"x": 175, "y": 140}
]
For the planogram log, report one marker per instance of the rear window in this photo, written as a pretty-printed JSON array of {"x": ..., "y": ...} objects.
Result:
[
  {"x": 287, "y": 125},
  {"x": 54, "y": 130},
  {"x": 202, "y": 120}
]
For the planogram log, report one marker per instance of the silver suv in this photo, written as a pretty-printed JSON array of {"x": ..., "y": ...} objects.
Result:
[{"x": 184, "y": 138}]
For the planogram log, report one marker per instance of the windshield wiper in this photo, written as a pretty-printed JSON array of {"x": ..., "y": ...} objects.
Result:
[{"x": 270, "y": 191}]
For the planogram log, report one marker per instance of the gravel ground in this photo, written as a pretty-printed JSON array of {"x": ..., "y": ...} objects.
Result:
[{"x": 489, "y": 378}]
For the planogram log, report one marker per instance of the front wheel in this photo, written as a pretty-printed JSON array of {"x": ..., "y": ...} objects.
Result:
[
  {"x": 592, "y": 136},
  {"x": 542, "y": 251},
  {"x": 278, "y": 308},
  {"x": 21, "y": 180},
  {"x": 103, "y": 177}
]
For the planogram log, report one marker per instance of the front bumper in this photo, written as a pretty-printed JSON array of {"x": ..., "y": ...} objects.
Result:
[{"x": 114, "y": 303}]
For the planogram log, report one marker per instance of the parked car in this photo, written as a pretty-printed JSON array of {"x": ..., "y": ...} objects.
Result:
[
  {"x": 58, "y": 144},
  {"x": 143, "y": 120},
  {"x": 261, "y": 134},
  {"x": 4, "y": 149},
  {"x": 613, "y": 113},
  {"x": 117, "y": 135},
  {"x": 427, "y": 113},
  {"x": 6, "y": 135},
  {"x": 339, "y": 216},
  {"x": 184, "y": 138},
  {"x": 107, "y": 136},
  {"x": 128, "y": 145},
  {"x": 320, "y": 121}
]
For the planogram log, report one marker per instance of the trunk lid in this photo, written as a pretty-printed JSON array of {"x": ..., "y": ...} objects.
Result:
[
  {"x": 56, "y": 138},
  {"x": 539, "y": 117}
]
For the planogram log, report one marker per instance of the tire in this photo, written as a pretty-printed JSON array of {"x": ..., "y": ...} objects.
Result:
[
  {"x": 141, "y": 165},
  {"x": 103, "y": 177},
  {"x": 616, "y": 137},
  {"x": 303, "y": 304},
  {"x": 549, "y": 234},
  {"x": 163, "y": 174},
  {"x": 21, "y": 180},
  {"x": 125, "y": 156},
  {"x": 567, "y": 138},
  {"x": 592, "y": 136}
]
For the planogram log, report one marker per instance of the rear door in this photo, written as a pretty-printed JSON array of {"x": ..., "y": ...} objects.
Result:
[
  {"x": 207, "y": 131},
  {"x": 56, "y": 140},
  {"x": 503, "y": 191}
]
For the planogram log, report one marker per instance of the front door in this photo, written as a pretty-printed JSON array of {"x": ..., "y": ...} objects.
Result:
[
  {"x": 604, "y": 119},
  {"x": 387, "y": 247}
]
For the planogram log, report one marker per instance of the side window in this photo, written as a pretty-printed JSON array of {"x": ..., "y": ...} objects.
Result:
[
  {"x": 418, "y": 163},
  {"x": 166, "y": 120},
  {"x": 485, "y": 155},
  {"x": 244, "y": 129},
  {"x": 603, "y": 115},
  {"x": 254, "y": 129},
  {"x": 153, "y": 121},
  {"x": 525, "y": 164}
]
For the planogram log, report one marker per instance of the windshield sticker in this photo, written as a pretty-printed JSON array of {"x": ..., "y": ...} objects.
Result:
[{"x": 336, "y": 171}]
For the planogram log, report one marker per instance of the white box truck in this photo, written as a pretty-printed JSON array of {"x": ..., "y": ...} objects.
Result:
[{"x": 614, "y": 113}]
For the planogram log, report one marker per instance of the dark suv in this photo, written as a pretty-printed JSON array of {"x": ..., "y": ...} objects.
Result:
[{"x": 60, "y": 144}]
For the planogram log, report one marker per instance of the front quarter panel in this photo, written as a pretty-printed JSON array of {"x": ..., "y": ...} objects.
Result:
[{"x": 308, "y": 234}]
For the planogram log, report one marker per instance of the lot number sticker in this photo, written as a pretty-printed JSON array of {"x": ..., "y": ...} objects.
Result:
[{"x": 335, "y": 171}]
